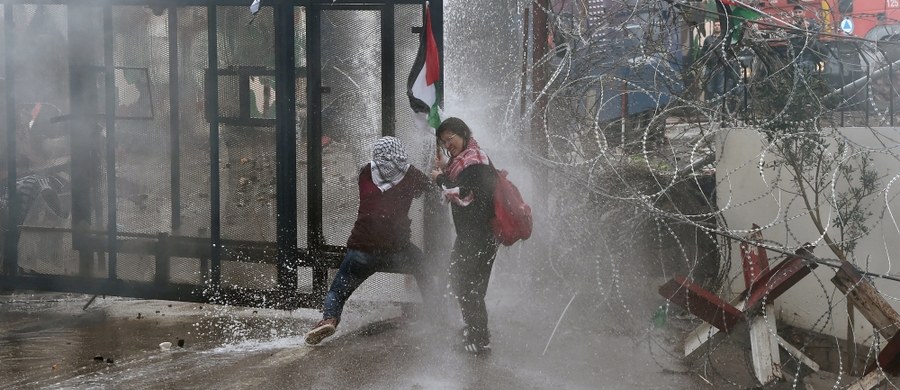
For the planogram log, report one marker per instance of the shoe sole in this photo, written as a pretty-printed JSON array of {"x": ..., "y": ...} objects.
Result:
[{"x": 315, "y": 336}]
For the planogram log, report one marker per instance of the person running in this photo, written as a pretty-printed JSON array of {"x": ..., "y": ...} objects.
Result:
[
  {"x": 380, "y": 238},
  {"x": 468, "y": 180}
]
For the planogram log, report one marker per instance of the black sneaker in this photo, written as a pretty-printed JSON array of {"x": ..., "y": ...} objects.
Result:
[
  {"x": 474, "y": 348},
  {"x": 472, "y": 344},
  {"x": 321, "y": 330}
]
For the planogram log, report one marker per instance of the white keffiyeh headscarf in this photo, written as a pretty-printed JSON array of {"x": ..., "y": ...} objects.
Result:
[{"x": 389, "y": 163}]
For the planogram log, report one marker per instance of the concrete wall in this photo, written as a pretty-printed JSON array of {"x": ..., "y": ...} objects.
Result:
[{"x": 751, "y": 191}]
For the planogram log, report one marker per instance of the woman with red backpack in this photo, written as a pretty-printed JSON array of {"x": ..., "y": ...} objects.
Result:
[{"x": 468, "y": 180}]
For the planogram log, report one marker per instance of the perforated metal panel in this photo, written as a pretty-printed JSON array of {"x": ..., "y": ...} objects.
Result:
[
  {"x": 167, "y": 166},
  {"x": 351, "y": 111}
]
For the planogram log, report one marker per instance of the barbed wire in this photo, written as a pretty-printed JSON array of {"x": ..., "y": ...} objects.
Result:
[{"x": 629, "y": 110}]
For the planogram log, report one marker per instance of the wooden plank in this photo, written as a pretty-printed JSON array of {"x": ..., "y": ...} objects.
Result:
[
  {"x": 867, "y": 382},
  {"x": 797, "y": 354},
  {"x": 701, "y": 303},
  {"x": 867, "y": 300},
  {"x": 705, "y": 332},
  {"x": 764, "y": 347},
  {"x": 779, "y": 279},
  {"x": 698, "y": 337},
  {"x": 754, "y": 258}
]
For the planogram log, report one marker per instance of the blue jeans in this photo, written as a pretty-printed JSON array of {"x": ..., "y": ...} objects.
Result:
[{"x": 357, "y": 266}]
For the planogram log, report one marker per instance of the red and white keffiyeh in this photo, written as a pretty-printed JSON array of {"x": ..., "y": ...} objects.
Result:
[{"x": 471, "y": 155}]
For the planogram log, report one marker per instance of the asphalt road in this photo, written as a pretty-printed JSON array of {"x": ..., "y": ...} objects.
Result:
[{"x": 48, "y": 341}]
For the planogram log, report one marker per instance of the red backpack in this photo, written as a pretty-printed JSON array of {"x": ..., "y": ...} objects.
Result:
[{"x": 512, "y": 216}]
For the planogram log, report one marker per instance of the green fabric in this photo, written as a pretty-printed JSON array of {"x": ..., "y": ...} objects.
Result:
[{"x": 736, "y": 19}]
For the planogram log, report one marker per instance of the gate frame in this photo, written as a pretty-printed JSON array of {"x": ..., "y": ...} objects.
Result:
[{"x": 85, "y": 103}]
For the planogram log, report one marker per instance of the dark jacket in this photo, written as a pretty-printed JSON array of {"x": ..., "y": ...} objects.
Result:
[
  {"x": 382, "y": 221},
  {"x": 473, "y": 221}
]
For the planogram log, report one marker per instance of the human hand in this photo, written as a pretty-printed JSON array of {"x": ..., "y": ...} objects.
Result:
[{"x": 435, "y": 173}]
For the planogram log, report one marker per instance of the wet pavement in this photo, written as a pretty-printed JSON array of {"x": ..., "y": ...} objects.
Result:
[{"x": 48, "y": 341}]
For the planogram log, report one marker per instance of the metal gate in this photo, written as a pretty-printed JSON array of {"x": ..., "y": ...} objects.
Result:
[{"x": 188, "y": 150}]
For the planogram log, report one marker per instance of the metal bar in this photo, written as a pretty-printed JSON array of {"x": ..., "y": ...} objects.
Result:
[
  {"x": 388, "y": 72},
  {"x": 891, "y": 93},
  {"x": 174, "y": 119},
  {"x": 889, "y": 358},
  {"x": 868, "y": 99},
  {"x": 864, "y": 79},
  {"x": 83, "y": 129},
  {"x": 754, "y": 259},
  {"x": 163, "y": 259},
  {"x": 171, "y": 291},
  {"x": 332, "y": 4},
  {"x": 10, "y": 247},
  {"x": 244, "y": 94},
  {"x": 285, "y": 148},
  {"x": 524, "y": 78},
  {"x": 778, "y": 279},
  {"x": 844, "y": 105},
  {"x": 314, "y": 236},
  {"x": 251, "y": 70},
  {"x": 110, "y": 111},
  {"x": 701, "y": 303},
  {"x": 246, "y": 121},
  {"x": 212, "y": 105}
]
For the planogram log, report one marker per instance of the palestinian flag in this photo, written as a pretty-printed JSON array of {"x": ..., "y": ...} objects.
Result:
[{"x": 424, "y": 84}]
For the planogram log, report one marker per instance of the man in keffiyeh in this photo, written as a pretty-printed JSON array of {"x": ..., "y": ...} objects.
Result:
[
  {"x": 380, "y": 238},
  {"x": 389, "y": 163}
]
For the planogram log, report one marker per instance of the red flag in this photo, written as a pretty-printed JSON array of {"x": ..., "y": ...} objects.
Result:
[{"x": 432, "y": 61}]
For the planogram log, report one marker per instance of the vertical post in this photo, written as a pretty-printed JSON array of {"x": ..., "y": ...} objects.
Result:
[
  {"x": 110, "y": 111},
  {"x": 540, "y": 49},
  {"x": 436, "y": 219},
  {"x": 174, "y": 120},
  {"x": 868, "y": 95},
  {"x": 843, "y": 106},
  {"x": 538, "y": 73},
  {"x": 285, "y": 148},
  {"x": 388, "y": 72},
  {"x": 82, "y": 32},
  {"x": 314, "y": 236},
  {"x": 535, "y": 125},
  {"x": 524, "y": 81},
  {"x": 163, "y": 259},
  {"x": 746, "y": 87},
  {"x": 212, "y": 105},
  {"x": 10, "y": 247},
  {"x": 891, "y": 94},
  {"x": 764, "y": 346}
]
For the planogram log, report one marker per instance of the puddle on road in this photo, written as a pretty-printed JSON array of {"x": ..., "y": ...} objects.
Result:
[{"x": 49, "y": 341}]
